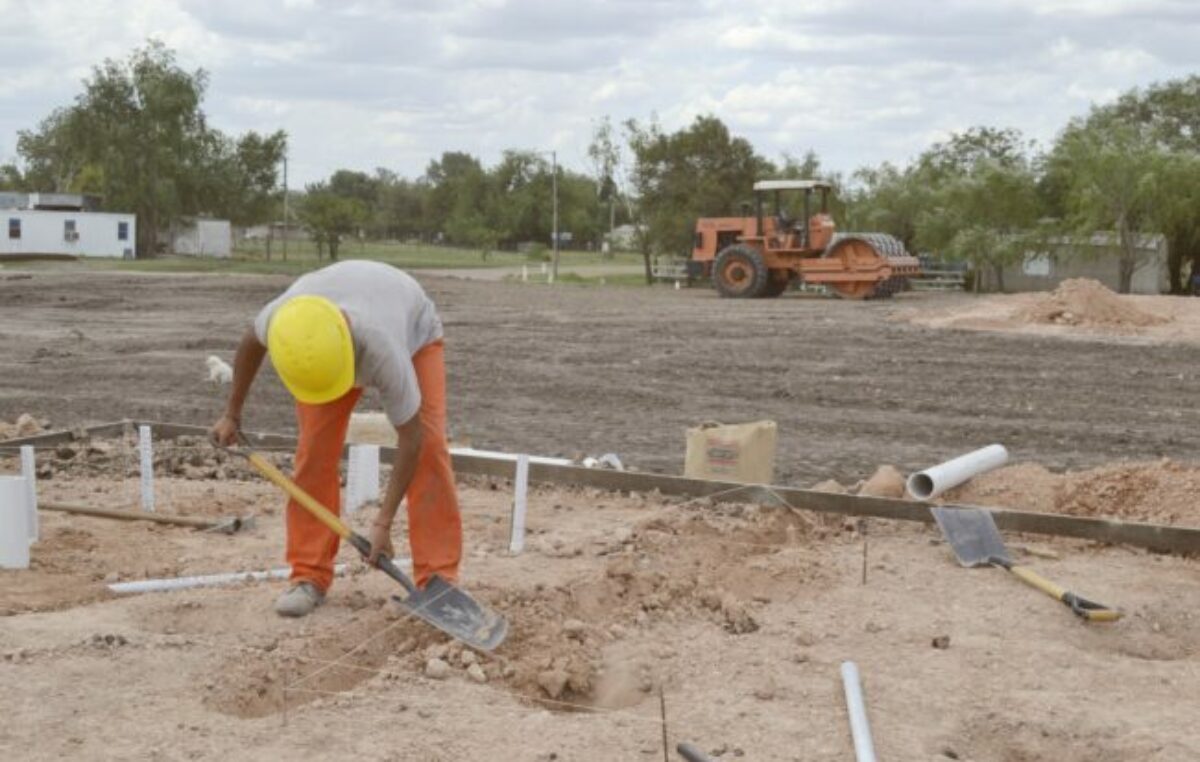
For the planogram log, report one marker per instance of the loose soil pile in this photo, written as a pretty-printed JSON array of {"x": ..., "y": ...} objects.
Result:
[
  {"x": 1088, "y": 302},
  {"x": 1162, "y": 492},
  {"x": 24, "y": 426}
]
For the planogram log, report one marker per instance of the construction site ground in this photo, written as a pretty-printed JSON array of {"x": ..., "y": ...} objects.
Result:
[
  {"x": 740, "y": 616},
  {"x": 737, "y": 617},
  {"x": 587, "y": 370}
]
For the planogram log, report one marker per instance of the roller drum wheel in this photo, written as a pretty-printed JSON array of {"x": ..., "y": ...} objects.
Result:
[{"x": 880, "y": 245}]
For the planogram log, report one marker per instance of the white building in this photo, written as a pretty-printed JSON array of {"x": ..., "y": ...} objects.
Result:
[
  {"x": 203, "y": 238},
  {"x": 33, "y": 227}
]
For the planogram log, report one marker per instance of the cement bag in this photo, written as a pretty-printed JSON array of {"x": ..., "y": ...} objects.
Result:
[
  {"x": 743, "y": 452},
  {"x": 371, "y": 428}
]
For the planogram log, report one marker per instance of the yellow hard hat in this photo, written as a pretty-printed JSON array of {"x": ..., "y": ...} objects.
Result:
[{"x": 311, "y": 349}]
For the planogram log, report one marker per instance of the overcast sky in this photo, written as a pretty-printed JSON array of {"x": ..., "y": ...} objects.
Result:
[{"x": 393, "y": 84}]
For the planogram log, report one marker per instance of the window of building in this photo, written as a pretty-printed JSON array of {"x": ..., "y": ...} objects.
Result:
[
  {"x": 122, "y": 231},
  {"x": 14, "y": 227},
  {"x": 69, "y": 232}
]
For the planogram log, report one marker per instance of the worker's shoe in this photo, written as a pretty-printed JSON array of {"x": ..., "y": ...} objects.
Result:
[{"x": 299, "y": 600}]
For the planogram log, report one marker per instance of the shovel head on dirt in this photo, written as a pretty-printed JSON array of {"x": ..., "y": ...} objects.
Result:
[
  {"x": 976, "y": 541},
  {"x": 972, "y": 535},
  {"x": 454, "y": 612}
]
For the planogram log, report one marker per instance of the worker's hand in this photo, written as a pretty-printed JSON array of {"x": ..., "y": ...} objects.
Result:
[
  {"x": 381, "y": 542},
  {"x": 225, "y": 431}
]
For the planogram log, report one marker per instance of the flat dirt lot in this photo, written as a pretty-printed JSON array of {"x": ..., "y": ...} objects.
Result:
[
  {"x": 739, "y": 616},
  {"x": 579, "y": 370}
]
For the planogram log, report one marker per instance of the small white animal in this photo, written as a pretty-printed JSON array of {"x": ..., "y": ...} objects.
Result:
[{"x": 219, "y": 371}]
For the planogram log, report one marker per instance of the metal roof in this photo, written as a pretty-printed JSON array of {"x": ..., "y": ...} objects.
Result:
[{"x": 779, "y": 185}]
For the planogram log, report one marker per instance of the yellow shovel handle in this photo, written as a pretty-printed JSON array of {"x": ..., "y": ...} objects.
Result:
[
  {"x": 1033, "y": 579},
  {"x": 294, "y": 491},
  {"x": 1089, "y": 610}
]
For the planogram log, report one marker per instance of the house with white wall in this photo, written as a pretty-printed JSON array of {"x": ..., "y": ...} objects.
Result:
[{"x": 61, "y": 224}]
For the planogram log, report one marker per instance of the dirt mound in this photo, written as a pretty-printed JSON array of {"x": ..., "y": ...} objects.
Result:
[
  {"x": 24, "y": 426},
  {"x": 574, "y": 645},
  {"x": 1161, "y": 492},
  {"x": 1087, "y": 302}
]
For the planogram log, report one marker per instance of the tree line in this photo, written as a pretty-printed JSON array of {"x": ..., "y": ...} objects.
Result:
[{"x": 137, "y": 135}]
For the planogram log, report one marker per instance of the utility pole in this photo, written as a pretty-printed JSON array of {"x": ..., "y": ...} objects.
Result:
[
  {"x": 554, "y": 192},
  {"x": 285, "y": 206}
]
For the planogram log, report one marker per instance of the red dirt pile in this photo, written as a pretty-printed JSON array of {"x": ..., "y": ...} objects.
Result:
[
  {"x": 1161, "y": 492},
  {"x": 1083, "y": 301}
]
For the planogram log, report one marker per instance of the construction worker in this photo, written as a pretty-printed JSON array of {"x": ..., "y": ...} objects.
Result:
[{"x": 335, "y": 331}]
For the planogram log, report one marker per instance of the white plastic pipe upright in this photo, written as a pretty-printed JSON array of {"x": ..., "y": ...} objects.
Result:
[
  {"x": 29, "y": 474},
  {"x": 146, "y": 453},
  {"x": 516, "y": 539},
  {"x": 362, "y": 476},
  {"x": 860, "y": 728},
  {"x": 928, "y": 484},
  {"x": 14, "y": 518}
]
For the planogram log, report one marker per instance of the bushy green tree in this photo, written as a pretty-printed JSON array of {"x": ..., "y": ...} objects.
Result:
[
  {"x": 329, "y": 217},
  {"x": 699, "y": 171}
]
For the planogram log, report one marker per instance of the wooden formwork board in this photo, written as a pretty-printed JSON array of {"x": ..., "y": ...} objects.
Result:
[{"x": 1157, "y": 537}]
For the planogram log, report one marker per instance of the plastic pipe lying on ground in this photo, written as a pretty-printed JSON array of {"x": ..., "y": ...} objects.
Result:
[
  {"x": 509, "y": 456},
  {"x": 214, "y": 580},
  {"x": 928, "y": 484},
  {"x": 691, "y": 753},
  {"x": 860, "y": 729}
]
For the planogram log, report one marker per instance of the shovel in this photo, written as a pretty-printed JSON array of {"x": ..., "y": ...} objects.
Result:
[
  {"x": 440, "y": 604},
  {"x": 972, "y": 534}
]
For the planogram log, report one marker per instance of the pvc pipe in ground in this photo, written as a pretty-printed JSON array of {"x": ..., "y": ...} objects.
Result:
[
  {"x": 214, "y": 580},
  {"x": 516, "y": 539},
  {"x": 860, "y": 728},
  {"x": 29, "y": 474},
  {"x": 146, "y": 466},
  {"x": 14, "y": 520},
  {"x": 928, "y": 484}
]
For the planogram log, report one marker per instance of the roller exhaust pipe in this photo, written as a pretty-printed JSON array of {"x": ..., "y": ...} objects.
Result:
[{"x": 928, "y": 484}]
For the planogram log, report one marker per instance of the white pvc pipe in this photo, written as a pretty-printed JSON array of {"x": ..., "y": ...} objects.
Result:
[
  {"x": 14, "y": 520},
  {"x": 215, "y": 580},
  {"x": 29, "y": 474},
  {"x": 509, "y": 456},
  {"x": 146, "y": 465},
  {"x": 516, "y": 539},
  {"x": 928, "y": 484},
  {"x": 860, "y": 728}
]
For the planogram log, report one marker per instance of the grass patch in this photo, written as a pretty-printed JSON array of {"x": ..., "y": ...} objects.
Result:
[{"x": 302, "y": 257}]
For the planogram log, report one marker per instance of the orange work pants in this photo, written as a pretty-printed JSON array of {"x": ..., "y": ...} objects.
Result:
[{"x": 434, "y": 524}]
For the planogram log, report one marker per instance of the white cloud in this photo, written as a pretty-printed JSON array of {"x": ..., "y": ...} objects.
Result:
[{"x": 396, "y": 82}]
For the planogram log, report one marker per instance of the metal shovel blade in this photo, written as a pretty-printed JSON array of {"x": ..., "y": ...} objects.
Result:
[
  {"x": 972, "y": 534},
  {"x": 454, "y": 612}
]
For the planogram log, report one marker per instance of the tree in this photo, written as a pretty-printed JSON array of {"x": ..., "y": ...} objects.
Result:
[
  {"x": 889, "y": 200},
  {"x": 1169, "y": 113},
  {"x": 986, "y": 215},
  {"x": 1115, "y": 174},
  {"x": 979, "y": 199},
  {"x": 605, "y": 154},
  {"x": 55, "y": 154},
  {"x": 328, "y": 216},
  {"x": 699, "y": 171}
]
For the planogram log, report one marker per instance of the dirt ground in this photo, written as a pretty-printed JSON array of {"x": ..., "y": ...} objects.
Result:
[
  {"x": 739, "y": 616},
  {"x": 582, "y": 370}
]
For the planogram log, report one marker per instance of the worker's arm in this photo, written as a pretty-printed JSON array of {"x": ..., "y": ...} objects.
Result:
[
  {"x": 408, "y": 448},
  {"x": 246, "y": 363}
]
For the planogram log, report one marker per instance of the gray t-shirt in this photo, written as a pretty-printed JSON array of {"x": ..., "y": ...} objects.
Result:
[{"x": 391, "y": 318}]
